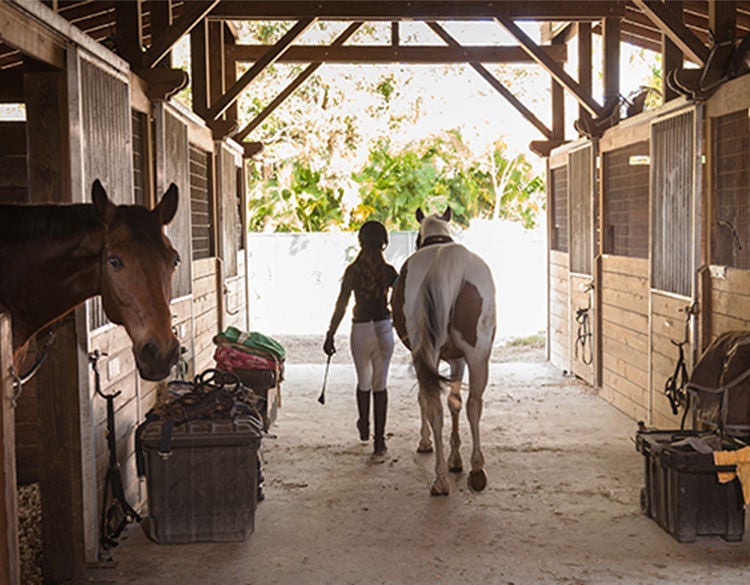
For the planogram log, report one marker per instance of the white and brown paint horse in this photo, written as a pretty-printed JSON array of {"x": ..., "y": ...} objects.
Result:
[
  {"x": 444, "y": 309},
  {"x": 54, "y": 257}
]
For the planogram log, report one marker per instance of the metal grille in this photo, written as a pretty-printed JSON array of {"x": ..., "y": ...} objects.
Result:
[
  {"x": 140, "y": 158},
  {"x": 626, "y": 176},
  {"x": 559, "y": 195},
  {"x": 581, "y": 192},
  {"x": 730, "y": 232},
  {"x": 672, "y": 188},
  {"x": 201, "y": 204},
  {"x": 105, "y": 126}
]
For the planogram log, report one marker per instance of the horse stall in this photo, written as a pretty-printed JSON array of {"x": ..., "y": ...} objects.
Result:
[
  {"x": 662, "y": 290},
  {"x": 89, "y": 116}
]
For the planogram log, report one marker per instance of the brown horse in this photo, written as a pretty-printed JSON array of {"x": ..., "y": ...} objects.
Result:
[{"x": 54, "y": 257}]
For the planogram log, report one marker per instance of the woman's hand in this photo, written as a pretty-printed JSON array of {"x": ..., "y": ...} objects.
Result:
[{"x": 328, "y": 347}]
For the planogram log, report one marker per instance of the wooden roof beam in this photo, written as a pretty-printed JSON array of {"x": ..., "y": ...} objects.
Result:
[
  {"x": 416, "y": 9},
  {"x": 499, "y": 87},
  {"x": 555, "y": 70},
  {"x": 289, "y": 89},
  {"x": 674, "y": 29},
  {"x": 191, "y": 15},
  {"x": 396, "y": 54},
  {"x": 278, "y": 49}
]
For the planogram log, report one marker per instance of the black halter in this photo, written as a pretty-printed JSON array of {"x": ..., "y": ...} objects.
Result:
[{"x": 429, "y": 240}]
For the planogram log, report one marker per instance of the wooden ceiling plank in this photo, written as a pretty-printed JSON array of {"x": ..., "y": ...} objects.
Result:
[
  {"x": 495, "y": 83},
  {"x": 193, "y": 13},
  {"x": 415, "y": 9},
  {"x": 218, "y": 108},
  {"x": 555, "y": 70},
  {"x": 24, "y": 33},
  {"x": 675, "y": 29},
  {"x": 424, "y": 54},
  {"x": 289, "y": 89}
]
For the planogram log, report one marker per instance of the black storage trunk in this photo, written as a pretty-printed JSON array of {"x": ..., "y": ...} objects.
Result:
[
  {"x": 205, "y": 489},
  {"x": 682, "y": 492}
]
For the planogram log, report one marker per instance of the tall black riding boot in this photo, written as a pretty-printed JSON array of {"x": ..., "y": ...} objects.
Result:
[
  {"x": 380, "y": 401},
  {"x": 363, "y": 422}
]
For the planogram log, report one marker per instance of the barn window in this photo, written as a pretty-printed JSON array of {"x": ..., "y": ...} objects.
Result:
[
  {"x": 559, "y": 196},
  {"x": 201, "y": 204},
  {"x": 730, "y": 229},
  {"x": 581, "y": 202},
  {"x": 626, "y": 175},
  {"x": 672, "y": 188}
]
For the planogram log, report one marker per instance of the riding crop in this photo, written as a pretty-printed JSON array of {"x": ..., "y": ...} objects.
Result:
[{"x": 322, "y": 397}]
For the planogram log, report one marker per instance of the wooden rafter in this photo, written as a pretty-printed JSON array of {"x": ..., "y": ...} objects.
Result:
[
  {"x": 289, "y": 89},
  {"x": 396, "y": 54},
  {"x": 674, "y": 29},
  {"x": 555, "y": 70},
  {"x": 416, "y": 9},
  {"x": 192, "y": 15},
  {"x": 233, "y": 92},
  {"x": 497, "y": 85}
]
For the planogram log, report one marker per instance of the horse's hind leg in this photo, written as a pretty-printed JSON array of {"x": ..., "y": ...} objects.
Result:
[
  {"x": 432, "y": 409},
  {"x": 455, "y": 464},
  {"x": 425, "y": 439},
  {"x": 478, "y": 375}
]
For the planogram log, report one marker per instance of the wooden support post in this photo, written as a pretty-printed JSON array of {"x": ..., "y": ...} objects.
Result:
[
  {"x": 9, "y": 561},
  {"x": 672, "y": 56},
  {"x": 230, "y": 75},
  {"x": 216, "y": 65},
  {"x": 128, "y": 16},
  {"x": 558, "y": 105},
  {"x": 585, "y": 64},
  {"x": 161, "y": 20},
  {"x": 200, "y": 68},
  {"x": 722, "y": 20},
  {"x": 611, "y": 65}
]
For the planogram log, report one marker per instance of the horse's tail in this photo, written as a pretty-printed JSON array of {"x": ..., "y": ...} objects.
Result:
[{"x": 432, "y": 314}]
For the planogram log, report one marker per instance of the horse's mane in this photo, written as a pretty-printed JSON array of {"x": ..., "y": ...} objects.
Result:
[
  {"x": 19, "y": 222},
  {"x": 33, "y": 221}
]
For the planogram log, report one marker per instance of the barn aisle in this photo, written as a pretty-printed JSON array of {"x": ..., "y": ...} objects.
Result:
[{"x": 562, "y": 504}]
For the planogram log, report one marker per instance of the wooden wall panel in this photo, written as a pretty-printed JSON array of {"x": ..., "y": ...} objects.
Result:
[
  {"x": 559, "y": 333},
  {"x": 667, "y": 325},
  {"x": 205, "y": 315},
  {"x": 624, "y": 334},
  {"x": 730, "y": 300}
]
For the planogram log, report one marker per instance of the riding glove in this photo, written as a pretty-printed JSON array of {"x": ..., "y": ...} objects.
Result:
[{"x": 328, "y": 347}]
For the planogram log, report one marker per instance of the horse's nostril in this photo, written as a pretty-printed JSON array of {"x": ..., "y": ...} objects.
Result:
[{"x": 150, "y": 352}]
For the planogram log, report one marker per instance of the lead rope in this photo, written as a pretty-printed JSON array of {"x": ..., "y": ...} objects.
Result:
[
  {"x": 20, "y": 379},
  {"x": 675, "y": 386},
  {"x": 584, "y": 334},
  {"x": 119, "y": 513}
]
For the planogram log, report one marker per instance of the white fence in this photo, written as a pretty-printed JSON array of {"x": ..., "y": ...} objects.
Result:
[{"x": 295, "y": 278}]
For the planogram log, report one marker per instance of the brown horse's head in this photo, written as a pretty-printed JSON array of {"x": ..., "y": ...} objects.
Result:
[{"x": 138, "y": 262}]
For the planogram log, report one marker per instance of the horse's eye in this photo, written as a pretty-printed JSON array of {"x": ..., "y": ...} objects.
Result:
[
  {"x": 115, "y": 262},
  {"x": 177, "y": 260}
]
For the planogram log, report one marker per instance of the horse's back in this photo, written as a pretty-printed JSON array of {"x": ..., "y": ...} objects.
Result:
[{"x": 467, "y": 283}]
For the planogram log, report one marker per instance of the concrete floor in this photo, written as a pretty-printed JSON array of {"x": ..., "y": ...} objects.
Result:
[{"x": 562, "y": 504}]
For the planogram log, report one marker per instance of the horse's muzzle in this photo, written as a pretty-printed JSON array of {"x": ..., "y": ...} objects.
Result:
[{"x": 155, "y": 361}]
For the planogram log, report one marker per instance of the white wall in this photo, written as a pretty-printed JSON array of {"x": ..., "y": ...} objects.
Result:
[{"x": 295, "y": 278}]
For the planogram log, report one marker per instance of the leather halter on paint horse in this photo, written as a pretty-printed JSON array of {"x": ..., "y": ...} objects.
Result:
[
  {"x": 444, "y": 309},
  {"x": 54, "y": 257}
]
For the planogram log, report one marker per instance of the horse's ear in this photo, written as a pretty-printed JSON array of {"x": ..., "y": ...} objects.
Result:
[
  {"x": 167, "y": 207},
  {"x": 447, "y": 214},
  {"x": 420, "y": 215},
  {"x": 104, "y": 207}
]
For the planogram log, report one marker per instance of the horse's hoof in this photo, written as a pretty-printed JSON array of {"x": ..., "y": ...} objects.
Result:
[
  {"x": 438, "y": 491},
  {"x": 477, "y": 480},
  {"x": 424, "y": 449}
]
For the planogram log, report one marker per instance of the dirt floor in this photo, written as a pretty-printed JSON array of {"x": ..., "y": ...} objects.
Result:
[{"x": 562, "y": 504}]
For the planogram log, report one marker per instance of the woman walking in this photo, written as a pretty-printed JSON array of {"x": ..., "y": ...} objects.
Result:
[{"x": 369, "y": 277}]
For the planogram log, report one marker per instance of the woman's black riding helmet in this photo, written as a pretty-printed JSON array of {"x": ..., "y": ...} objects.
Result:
[{"x": 373, "y": 233}]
